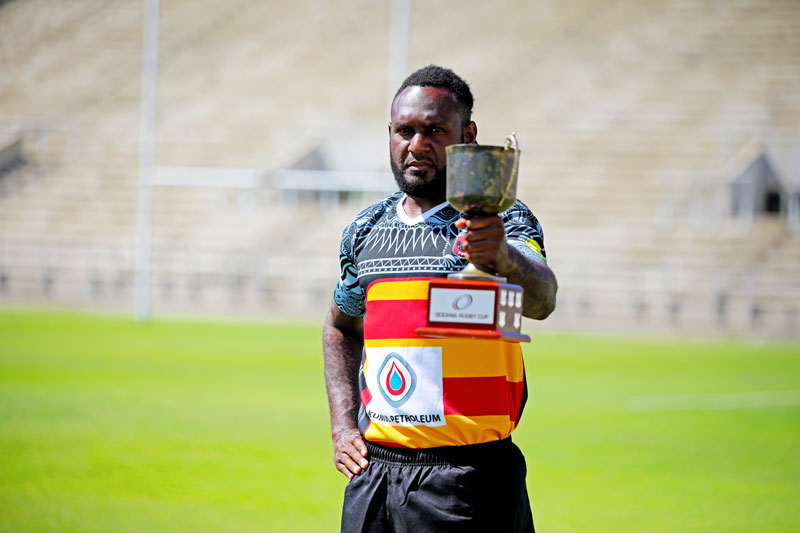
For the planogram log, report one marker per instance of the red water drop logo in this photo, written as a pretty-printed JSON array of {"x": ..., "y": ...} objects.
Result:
[{"x": 395, "y": 380}]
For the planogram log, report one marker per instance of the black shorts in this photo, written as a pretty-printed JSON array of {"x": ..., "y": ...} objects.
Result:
[{"x": 480, "y": 487}]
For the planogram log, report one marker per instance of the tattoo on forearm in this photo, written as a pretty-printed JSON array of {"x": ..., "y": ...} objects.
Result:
[{"x": 538, "y": 281}]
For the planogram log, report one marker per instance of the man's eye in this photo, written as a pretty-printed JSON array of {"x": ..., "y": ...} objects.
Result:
[
  {"x": 402, "y": 131},
  {"x": 437, "y": 130}
]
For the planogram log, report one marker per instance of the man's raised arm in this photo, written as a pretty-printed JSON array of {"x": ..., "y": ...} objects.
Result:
[
  {"x": 486, "y": 245},
  {"x": 342, "y": 344}
]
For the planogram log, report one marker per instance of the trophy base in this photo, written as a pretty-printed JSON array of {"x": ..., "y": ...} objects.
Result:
[
  {"x": 482, "y": 309},
  {"x": 475, "y": 272}
]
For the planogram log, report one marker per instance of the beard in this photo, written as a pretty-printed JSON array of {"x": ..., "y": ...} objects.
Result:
[{"x": 435, "y": 188}]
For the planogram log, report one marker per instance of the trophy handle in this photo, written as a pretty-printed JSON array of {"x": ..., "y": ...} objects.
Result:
[
  {"x": 511, "y": 142},
  {"x": 513, "y": 145}
]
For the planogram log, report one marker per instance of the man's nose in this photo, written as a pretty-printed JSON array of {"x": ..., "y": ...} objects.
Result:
[{"x": 419, "y": 143}]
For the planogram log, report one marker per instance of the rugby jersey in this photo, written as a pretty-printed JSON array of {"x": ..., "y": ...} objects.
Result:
[{"x": 418, "y": 392}]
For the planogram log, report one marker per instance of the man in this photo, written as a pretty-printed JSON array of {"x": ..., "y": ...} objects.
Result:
[{"x": 421, "y": 426}]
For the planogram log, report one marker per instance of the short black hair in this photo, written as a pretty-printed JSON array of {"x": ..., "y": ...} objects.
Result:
[{"x": 443, "y": 78}]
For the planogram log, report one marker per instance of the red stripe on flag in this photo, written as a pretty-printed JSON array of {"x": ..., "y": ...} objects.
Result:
[
  {"x": 366, "y": 396},
  {"x": 516, "y": 388},
  {"x": 394, "y": 319},
  {"x": 480, "y": 396}
]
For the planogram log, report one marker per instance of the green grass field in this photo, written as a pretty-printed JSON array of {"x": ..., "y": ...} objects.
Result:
[{"x": 188, "y": 426}]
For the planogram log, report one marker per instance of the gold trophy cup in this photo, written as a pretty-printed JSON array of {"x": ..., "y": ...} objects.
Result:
[
  {"x": 482, "y": 180},
  {"x": 476, "y": 302}
]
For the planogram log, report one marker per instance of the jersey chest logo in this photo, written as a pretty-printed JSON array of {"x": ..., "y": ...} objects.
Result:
[
  {"x": 396, "y": 380},
  {"x": 405, "y": 384}
]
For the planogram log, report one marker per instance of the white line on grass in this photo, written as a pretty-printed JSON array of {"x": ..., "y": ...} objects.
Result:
[{"x": 697, "y": 402}]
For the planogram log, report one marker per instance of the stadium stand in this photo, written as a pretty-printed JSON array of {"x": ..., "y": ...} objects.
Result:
[{"x": 634, "y": 119}]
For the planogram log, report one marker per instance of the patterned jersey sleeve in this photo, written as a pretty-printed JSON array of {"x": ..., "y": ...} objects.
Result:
[
  {"x": 523, "y": 232},
  {"x": 348, "y": 296}
]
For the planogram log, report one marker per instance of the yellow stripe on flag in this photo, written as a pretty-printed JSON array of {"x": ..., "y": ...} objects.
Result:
[
  {"x": 476, "y": 358},
  {"x": 458, "y": 431},
  {"x": 399, "y": 290},
  {"x": 388, "y": 343}
]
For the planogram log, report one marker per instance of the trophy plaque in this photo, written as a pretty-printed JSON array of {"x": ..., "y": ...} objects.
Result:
[{"x": 481, "y": 180}]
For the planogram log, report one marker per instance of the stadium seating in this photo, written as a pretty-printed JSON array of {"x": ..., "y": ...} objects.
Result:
[{"x": 633, "y": 120}]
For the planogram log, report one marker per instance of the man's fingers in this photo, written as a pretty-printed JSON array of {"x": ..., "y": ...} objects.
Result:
[
  {"x": 480, "y": 222},
  {"x": 484, "y": 245},
  {"x": 350, "y": 456},
  {"x": 349, "y": 462},
  {"x": 358, "y": 452},
  {"x": 347, "y": 466},
  {"x": 484, "y": 259},
  {"x": 358, "y": 444}
]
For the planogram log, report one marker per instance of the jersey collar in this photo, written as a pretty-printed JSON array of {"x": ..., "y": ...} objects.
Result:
[{"x": 401, "y": 213}]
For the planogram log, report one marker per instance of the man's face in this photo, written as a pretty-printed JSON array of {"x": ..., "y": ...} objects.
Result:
[{"x": 425, "y": 120}]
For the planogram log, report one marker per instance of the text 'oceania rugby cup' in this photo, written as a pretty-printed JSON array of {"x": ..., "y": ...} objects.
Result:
[{"x": 481, "y": 180}]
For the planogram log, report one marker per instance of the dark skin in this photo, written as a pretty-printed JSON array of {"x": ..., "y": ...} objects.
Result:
[
  {"x": 342, "y": 341},
  {"x": 424, "y": 121}
]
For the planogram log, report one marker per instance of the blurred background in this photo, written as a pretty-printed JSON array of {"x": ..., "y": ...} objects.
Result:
[
  {"x": 661, "y": 150},
  {"x": 200, "y": 158}
]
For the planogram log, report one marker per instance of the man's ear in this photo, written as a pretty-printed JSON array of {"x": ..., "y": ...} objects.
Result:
[{"x": 471, "y": 133}]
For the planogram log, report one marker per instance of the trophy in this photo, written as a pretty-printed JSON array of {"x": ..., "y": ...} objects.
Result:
[{"x": 481, "y": 180}]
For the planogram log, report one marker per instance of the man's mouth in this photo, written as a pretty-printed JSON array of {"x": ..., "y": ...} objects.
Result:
[{"x": 419, "y": 164}]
